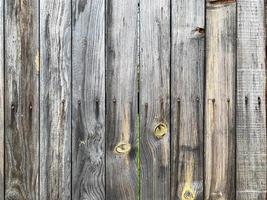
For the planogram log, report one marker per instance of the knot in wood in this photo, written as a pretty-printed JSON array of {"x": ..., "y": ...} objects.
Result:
[
  {"x": 122, "y": 148},
  {"x": 188, "y": 194},
  {"x": 161, "y": 130}
]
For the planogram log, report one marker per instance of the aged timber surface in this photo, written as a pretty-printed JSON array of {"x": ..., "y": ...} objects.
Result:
[
  {"x": 251, "y": 107},
  {"x": 21, "y": 100},
  {"x": 2, "y": 99},
  {"x": 155, "y": 99},
  {"x": 55, "y": 99},
  {"x": 88, "y": 101},
  {"x": 187, "y": 73},
  {"x": 220, "y": 100},
  {"x": 121, "y": 99}
]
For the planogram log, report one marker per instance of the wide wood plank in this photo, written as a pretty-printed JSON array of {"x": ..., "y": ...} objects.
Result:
[
  {"x": 2, "y": 99},
  {"x": 155, "y": 99},
  {"x": 88, "y": 102},
  {"x": 55, "y": 99},
  {"x": 187, "y": 84},
  {"x": 220, "y": 100},
  {"x": 251, "y": 101},
  {"x": 121, "y": 99},
  {"x": 21, "y": 100}
]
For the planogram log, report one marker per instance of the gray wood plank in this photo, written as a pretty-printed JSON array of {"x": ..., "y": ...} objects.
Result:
[
  {"x": 155, "y": 98},
  {"x": 121, "y": 99},
  {"x": 251, "y": 101},
  {"x": 220, "y": 100},
  {"x": 55, "y": 99},
  {"x": 187, "y": 84},
  {"x": 2, "y": 99},
  {"x": 21, "y": 100},
  {"x": 88, "y": 103}
]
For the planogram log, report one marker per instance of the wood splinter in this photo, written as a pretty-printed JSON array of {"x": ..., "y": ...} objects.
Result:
[
  {"x": 160, "y": 130},
  {"x": 122, "y": 148}
]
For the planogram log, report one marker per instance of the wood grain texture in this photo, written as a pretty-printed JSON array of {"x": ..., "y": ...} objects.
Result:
[
  {"x": 187, "y": 84},
  {"x": 55, "y": 99},
  {"x": 155, "y": 98},
  {"x": 251, "y": 101},
  {"x": 88, "y": 104},
  {"x": 220, "y": 100},
  {"x": 2, "y": 99},
  {"x": 121, "y": 99},
  {"x": 21, "y": 100}
]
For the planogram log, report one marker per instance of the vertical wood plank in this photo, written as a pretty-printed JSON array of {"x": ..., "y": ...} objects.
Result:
[
  {"x": 220, "y": 100},
  {"x": 121, "y": 99},
  {"x": 55, "y": 99},
  {"x": 155, "y": 98},
  {"x": 88, "y": 104},
  {"x": 21, "y": 100},
  {"x": 187, "y": 84},
  {"x": 251, "y": 101},
  {"x": 2, "y": 99}
]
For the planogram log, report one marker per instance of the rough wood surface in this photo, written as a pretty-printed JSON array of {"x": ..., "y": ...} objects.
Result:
[
  {"x": 220, "y": 100},
  {"x": 155, "y": 99},
  {"x": 88, "y": 102},
  {"x": 187, "y": 73},
  {"x": 121, "y": 99},
  {"x": 55, "y": 99},
  {"x": 2, "y": 99},
  {"x": 21, "y": 100},
  {"x": 251, "y": 101}
]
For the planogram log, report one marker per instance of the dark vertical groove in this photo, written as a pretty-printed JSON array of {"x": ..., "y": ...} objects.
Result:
[
  {"x": 71, "y": 99},
  {"x": 105, "y": 52},
  {"x": 39, "y": 99},
  {"x": 4, "y": 97},
  {"x": 170, "y": 103},
  {"x": 235, "y": 103}
]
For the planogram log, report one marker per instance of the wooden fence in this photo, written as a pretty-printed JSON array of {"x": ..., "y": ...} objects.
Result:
[{"x": 133, "y": 99}]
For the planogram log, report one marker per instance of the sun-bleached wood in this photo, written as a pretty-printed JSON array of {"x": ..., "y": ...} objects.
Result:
[
  {"x": 55, "y": 99},
  {"x": 21, "y": 100},
  {"x": 251, "y": 101},
  {"x": 2, "y": 99},
  {"x": 220, "y": 100}
]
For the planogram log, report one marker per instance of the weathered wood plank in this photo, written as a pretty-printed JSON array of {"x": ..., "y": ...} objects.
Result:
[
  {"x": 187, "y": 84},
  {"x": 21, "y": 100},
  {"x": 251, "y": 101},
  {"x": 121, "y": 99},
  {"x": 220, "y": 100},
  {"x": 155, "y": 98},
  {"x": 88, "y": 104},
  {"x": 2, "y": 99},
  {"x": 55, "y": 99}
]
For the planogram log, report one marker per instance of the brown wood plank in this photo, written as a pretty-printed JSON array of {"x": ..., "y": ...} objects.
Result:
[
  {"x": 21, "y": 100},
  {"x": 155, "y": 98},
  {"x": 88, "y": 102},
  {"x": 187, "y": 84},
  {"x": 251, "y": 101},
  {"x": 121, "y": 99},
  {"x": 220, "y": 100},
  {"x": 2, "y": 99},
  {"x": 55, "y": 99}
]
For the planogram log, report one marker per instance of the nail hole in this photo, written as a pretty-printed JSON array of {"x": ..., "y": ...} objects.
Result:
[
  {"x": 160, "y": 130},
  {"x": 259, "y": 100}
]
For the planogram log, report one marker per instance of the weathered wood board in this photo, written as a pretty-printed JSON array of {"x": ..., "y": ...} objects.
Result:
[
  {"x": 251, "y": 101},
  {"x": 2, "y": 99},
  {"x": 121, "y": 99},
  {"x": 88, "y": 100},
  {"x": 55, "y": 99},
  {"x": 21, "y": 100},
  {"x": 187, "y": 83},
  {"x": 155, "y": 99},
  {"x": 220, "y": 100}
]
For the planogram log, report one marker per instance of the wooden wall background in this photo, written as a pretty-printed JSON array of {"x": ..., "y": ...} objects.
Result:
[{"x": 133, "y": 99}]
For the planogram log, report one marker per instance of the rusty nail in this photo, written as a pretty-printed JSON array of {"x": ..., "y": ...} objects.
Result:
[
  {"x": 213, "y": 100},
  {"x": 114, "y": 100},
  {"x": 79, "y": 102},
  {"x": 178, "y": 100},
  {"x": 246, "y": 99},
  {"x": 197, "y": 98},
  {"x": 30, "y": 107},
  {"x": 228, "y": 99},
  {"x": 12, "y": 106}
]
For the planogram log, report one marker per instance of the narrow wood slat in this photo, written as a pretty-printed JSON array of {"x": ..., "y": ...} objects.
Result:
[
  {"x": 251, "y": 101},
  {"x": 121, "y": 99},
  {"x": 55, "y": 99},
  {"x": 187, "y": 84},
  {"x": 88, "y": 102},
  {"x": 220, "y": 100},
  {"x": 21, "y": 100},
  {"x": 155, "y": 98},
  {"x": 2, "y": 99}
]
